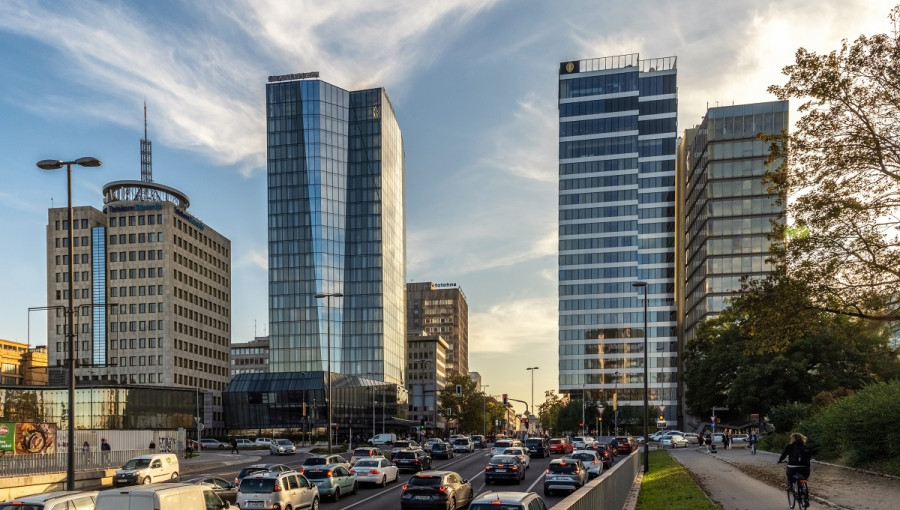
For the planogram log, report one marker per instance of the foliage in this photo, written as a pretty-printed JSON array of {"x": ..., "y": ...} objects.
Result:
[
  {"x": 841, "y": 170},
  {"x": 786, "y": 417},
  {"x": 22, "y": 406},
  {"x": 548, "y": 411},
  {"x": 669, "y": 486},
  {"x": 468, "y": 410}
]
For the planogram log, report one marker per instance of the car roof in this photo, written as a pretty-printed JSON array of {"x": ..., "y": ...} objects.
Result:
[
  {"x": 435, "y": 473},
  {"x": 503, "y": 497},
  {"x": 46, "y": 496}
]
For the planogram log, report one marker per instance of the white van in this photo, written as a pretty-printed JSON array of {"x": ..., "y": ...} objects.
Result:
[
  {"x": 165, "y": 496},
  {"x": 381, "y": 439},
  {"x": 147, "y": 469}
]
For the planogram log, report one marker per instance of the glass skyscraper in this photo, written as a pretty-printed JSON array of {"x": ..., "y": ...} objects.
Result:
[
  {"x": 336, "y": 225},
  {"x": 617, "y": 145}
]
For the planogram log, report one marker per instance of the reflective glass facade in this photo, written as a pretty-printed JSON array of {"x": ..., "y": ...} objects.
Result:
[
  {"x": 728, "y": 211},
  {"x": 617, "y": 118},
  {"x": 336, "y": 225}
]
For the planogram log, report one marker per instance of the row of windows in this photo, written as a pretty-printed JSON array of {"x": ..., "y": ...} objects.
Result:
[
  {"x": 654, "y": 393},
  {"x": 647, "y": 213},
  {"x": 139, "y": 343},
  {"x": 599, "y": 106},
  {"x": 598, "y": 197},
  {"x": 658, "y": 126},
  {"x": 599, "y": 212},
  {"x": 603, "y": 227},
  {"x": 650, "y": 167},
  {"x": 656, "y": 258},
  {"x": 570, "y": 305},
  {"x": 64, "y": 224},
  {"x": 594, "y": 347},
  {"x": 137, "y": 361},
  {"x": 657, "y": 85},
  {"x": 597, "y": 242},
  {"x": 625, "y": 362},
  {"x": 654, "y": 243},
  {"x": 141, "y": 219},
  {"x": 203, "y": 287},
  {"x": 752, "y": 167},
  {"x": 134, "y": 256},
  {"x": 599, "y": 147},
  {"x": 141, "y": 237},
  {"x": 597, "y": 126},
  {"x": 742, "y": 265},
  {"x": 597, "y": 273},
  {"x": 656, "y": 197},
  {"x": 738, "y": 188},
  {"x": 659, "y": 273},
  {"x": 200, "y": 350},
  {"x": 740, "y": 226},
  {"x": 136, "y": 290},
  {"x": 77, "y": 293},
  {"x": 135, "y": 308},
  {"x": 738, "y": 245},
  {"x": 588, "y": 319},
  {"x": 658, "y": 106},
  {"x": 661, "y": 227},
  {"x": 598, "y": 182},
  {"x": 596, "y": 85},
  {"x": 63, "y": 242},
  {"x": 79, "y": 276},
  {"x": 122, "y": 274},
  {"x": 657, "y": 182},
  {"x": 656, "y": 147},
  {"x": 587, "y": 289},
  {"x": 122, "y": 327},
  {"x": 606, "y": 165},
  {"x": 63, "y": 260},
  {"x": 743, "y": 207}
]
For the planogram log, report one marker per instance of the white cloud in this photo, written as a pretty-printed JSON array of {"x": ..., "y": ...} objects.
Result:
[{"x": 514, "y": 325}]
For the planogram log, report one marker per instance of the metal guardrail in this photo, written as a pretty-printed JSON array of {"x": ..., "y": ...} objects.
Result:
[
  {"x": 607, "y": 492},
  {"x": 18, "y": 465}
]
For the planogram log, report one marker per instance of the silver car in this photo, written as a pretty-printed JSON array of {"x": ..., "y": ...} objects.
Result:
[
  {"x": 282, "y": 447},
  {"x": 591, "y": 461},
  {"x": 564, "y": 474},
  {"x": 57, "y": 499},
  {"x": 271, "y": 491}
]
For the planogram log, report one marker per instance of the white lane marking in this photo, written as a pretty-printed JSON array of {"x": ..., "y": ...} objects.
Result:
[
  {"x": 536, "y": 481},
  {"x": 382, "y": 492}
]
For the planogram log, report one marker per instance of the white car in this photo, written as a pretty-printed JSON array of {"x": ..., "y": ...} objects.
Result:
[
  {"x": 674, "y": 441},
  {"x": 282, "y": 447},
  {"x": 501, "y": 445},
  {"x": 263, "y": 441},
  {"x": 520, "y": 452},
  {"x": 377, "y": 470},
  {"x": 463, "y": 444},
  {"x": 740, "y": 440},
  {"x": 591, "y": 461}
]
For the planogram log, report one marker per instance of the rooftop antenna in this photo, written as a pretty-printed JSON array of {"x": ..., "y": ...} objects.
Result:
[{"x": 147, "y": 162}]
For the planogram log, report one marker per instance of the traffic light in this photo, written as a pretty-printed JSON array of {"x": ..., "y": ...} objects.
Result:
[
  {"x": 660, "y": 418},
  {"x": 422, "y": 424},
  {"x": 459, "y": 390},
  {"x": 581, "y": 424},
  {"x": 505, "y": 400},
  {"x": 599, "y": 418},
  {"x": 525, "y": 421}
]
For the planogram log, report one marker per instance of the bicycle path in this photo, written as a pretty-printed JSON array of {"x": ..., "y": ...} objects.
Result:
[{"x": 727, "y": 485}]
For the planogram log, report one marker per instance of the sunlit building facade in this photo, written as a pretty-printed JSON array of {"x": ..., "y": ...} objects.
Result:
[
  {"x": 617, "y": 145},
  {"x": 441, "y": 309},
  {"x": 336, "y": 226}
]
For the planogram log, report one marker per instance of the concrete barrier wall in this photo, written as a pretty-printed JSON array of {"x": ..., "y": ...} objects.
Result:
[{"x": 609, "y": 491}]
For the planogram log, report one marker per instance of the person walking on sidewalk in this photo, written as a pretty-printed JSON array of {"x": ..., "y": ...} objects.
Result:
[{"x": 234, "y": 446}]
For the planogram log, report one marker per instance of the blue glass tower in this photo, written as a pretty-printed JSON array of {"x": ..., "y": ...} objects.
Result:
[
  {"x": 617, "y": 146},
  {"x": 336, "y": 225}
]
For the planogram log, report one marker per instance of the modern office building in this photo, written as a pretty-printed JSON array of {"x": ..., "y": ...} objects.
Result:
[
  {"x": 727, "y": 210},
  {"x": 152, "y": 290},
  {"x": 617, "y": 129},
  {"x": 251, "y": 357},
  {"x": 426, "y": 378},
  {"x": 441, "y": 309},
  {"x": 337, "y": 228}
]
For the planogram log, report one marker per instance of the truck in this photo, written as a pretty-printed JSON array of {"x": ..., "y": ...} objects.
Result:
[{"x": 383, "y": 439}]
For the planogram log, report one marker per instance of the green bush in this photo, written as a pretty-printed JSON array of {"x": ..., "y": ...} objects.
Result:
[{"x": 786, "y": 417}]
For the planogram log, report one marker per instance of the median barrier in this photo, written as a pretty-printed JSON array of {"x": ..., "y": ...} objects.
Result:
[{"x": 609, "y": 491}]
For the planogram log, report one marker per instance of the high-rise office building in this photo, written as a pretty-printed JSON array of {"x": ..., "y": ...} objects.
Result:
[
  {"x": 427, "y": 377},
  {"x": 152, "y": 291},
  {"x": 617, "y": 129},
  {"x": 727, "y": 210},
  {"x": 441, "y": 309},
  {"x": 337, "y": 228}
]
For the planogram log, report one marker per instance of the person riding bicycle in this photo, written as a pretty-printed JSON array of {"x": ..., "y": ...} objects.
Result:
[
  {"x": 752, "y": 440},
  {"x": 797, "y": 454}
]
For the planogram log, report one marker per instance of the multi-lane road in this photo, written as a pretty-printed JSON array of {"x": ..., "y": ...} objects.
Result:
[{"x": 468, "y": 465}]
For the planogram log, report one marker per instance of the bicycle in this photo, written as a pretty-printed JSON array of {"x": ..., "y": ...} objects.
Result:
[
  {"x": 752, "y": 448},
  {"x": 798, "y": 492}
]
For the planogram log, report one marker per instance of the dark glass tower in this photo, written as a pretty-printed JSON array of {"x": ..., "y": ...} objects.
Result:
[
  {"x": 617, "y": 141},
  {"x": 336, "y": 225}
]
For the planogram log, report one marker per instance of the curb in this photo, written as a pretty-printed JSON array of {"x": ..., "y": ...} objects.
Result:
[{"x": 632, "y": 498}]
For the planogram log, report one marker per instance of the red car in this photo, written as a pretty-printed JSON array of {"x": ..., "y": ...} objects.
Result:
[
  {"x": 626, "y": 444},
  {"x": 561, "y": 445}
]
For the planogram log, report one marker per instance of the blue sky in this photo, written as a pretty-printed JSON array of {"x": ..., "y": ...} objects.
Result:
[{"x": 473, "y": 85}]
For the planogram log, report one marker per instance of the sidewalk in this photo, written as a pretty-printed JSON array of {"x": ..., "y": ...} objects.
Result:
[{"x": 831, "y": 486}]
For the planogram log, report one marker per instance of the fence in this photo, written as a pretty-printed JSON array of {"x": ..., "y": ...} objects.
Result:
[
  {"x": 608, "y": 492},
  {"x": 17, "y": 465}
]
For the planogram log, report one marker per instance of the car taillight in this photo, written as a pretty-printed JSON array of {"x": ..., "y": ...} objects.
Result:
[
  {"x": 515, "y": 468},
  {"x": 488, "y": 468},
  {"x": 548, "y": 471},
  {"x": 329, "y": 473},
  {"x": 442, "y": 488},
  {"x": 374, "y": 472},
  {"x": 404, "y": 487},
  {"x": 277, "y": 488}
]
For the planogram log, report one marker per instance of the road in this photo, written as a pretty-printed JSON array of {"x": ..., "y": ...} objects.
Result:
[{"x": 468, "y": 465}]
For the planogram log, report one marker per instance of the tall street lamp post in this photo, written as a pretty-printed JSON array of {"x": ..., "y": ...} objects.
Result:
[
  {"x": 531, "y": 369},
  {"x": 328, "y": 334},
  {"x": 646, "y": 391},
  {"x": 616, "y": 407},
  {"x": 483, "y": 410},
  {"x": 55, "y": 164}
]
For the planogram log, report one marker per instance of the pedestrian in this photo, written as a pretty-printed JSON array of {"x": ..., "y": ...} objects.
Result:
[
  {"x": 234, "y": 446},
  {"x": 86, "y": 448},
  {"x": 152, "y": 445},
  {"x": 727, "y": 440},
  {"x": 104, "y": 450}
]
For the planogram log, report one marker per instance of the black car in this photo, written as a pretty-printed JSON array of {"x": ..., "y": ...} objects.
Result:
[
  {"x": 480, "y": 441},
  {"x": 538, "y": 446},
  {"x": 441, "y": 451},
  {"x": 414, "y": 460},
  {"x": 605, "y": 451},
  {"x": 443, "y": 490},
  {"x": 223, "y": 488},
  {"x": 504, "y": 467}
]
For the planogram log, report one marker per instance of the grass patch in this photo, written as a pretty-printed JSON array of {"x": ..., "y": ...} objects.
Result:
[{"x": 669, "y": 487}]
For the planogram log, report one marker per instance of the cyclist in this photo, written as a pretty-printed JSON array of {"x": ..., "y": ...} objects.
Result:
[{"x": 797, "y": 454}]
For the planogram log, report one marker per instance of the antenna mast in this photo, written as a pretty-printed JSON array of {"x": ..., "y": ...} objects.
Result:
[{"x": 147, "y": 162}]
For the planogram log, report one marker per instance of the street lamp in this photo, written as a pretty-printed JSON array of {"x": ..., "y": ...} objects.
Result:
[
  {"x": 532, "y": 369},
  {"x": 616, "y": 407},
  {"x": 646, "y": 391},
  {"x": 483, "y": 410},
  {"x": 328, "y": 334},
  {"x": 55, "y": 164}
]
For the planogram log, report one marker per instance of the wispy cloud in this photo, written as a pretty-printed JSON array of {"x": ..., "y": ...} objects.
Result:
[{"x": 515, "y": 325}]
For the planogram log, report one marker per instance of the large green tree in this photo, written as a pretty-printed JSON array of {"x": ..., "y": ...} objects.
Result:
[
  {"x": 470, "y": 409},
  {"x": 840, "y": 175}
]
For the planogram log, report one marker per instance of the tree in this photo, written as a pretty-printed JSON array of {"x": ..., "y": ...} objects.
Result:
[
  {"x": 548, "y": 411},
  {"x": 469, "y": 409},
  {"x": 841, "y": 170}
]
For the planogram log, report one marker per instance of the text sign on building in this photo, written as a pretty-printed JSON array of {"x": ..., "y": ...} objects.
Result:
[
  {"x": 294, "y": 76},
  {"x": 442, "y": 286}
]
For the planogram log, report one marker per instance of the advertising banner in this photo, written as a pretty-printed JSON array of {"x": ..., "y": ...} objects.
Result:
[
  {"x": 35, "y": 438},
  {"x": 7, "y": 438}
]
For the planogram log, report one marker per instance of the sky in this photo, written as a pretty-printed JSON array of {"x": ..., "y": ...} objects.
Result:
[{"x": 473, "y": 84}]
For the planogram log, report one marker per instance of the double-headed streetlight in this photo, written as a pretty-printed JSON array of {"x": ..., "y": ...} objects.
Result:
[
  {"x": 646, "y": 403},
  {"x": 531, "y": 369},
  {"x": 55, "y": 164},
  {"x": 328, "y": 334}
]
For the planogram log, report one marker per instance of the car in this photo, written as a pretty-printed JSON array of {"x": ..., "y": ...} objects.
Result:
[
  {"x": 625, "y": 444},
  {"x": 561, "y": 445},
  {"x": 673, "y": 441},
  {"x": 282, "y": 447},
  {"x": 260, "y": 468},
  {"x": 52, "y": 500},
  {"x": 198, "y": 446},
  {"x": 463, "y": 444},
  {"x": 444, "y": 490},
  {"x": 226, "y": 490},
  {"x": 591, "y": 461},
  {"x": 270, "y": 490},
  {"x": 479, "y": 441},
  {"x": 442, "y": 451},
  {"x": 415, "y": 460},
  {"x": 431, "y": 442},
  {"x": 502, "y": 444},
  {"x": 213, "y": 444},
  {"x": 508, "y": 501},
  {"x": 692, "y": 438},
  {"x": 580, "y": 442},
  {"x": 564, "y": 474},
  {"x": 740, "y": 440},
  {"x": 521, "y": 453},
  {"x": 160, "y": 496},
  {"x": 323, "y": 460},
  {"x": 332, "y": 480},
  {"x": 403, "y": 445},
  {"x": 605, "y": 452},
  {"x": 667, "y": 433},
  {"x": 243, "y": 442},
  {"x": 538, "y": 446},
  {"x": 146, "y": 469},
  {"x": 263, "y": 441},
  {"x": 377, "y": 470},
  {"x": 364, "y": 453},
  {"x": 505, "y": 468}
]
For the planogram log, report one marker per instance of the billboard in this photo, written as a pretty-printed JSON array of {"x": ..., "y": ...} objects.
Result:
[{"x": 27, "y": 438}]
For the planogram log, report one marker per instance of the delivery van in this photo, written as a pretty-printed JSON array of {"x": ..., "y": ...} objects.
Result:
[
  {"x": 381, "y": 439},
  {"x": 164, "y": 496},
  {"x": 146, "y": 469}
]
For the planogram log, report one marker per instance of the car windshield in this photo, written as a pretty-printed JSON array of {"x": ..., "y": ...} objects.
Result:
[
  {"x": 503, "y": 459},
  {"x": 401, "y": 444},
  {"x": 246, "y": 471},
  {"x": 136, "y": 464},
  {"x": 364, "y": 452},
  {"x": 533, "y": 441},
  {"x": 257, "y": 485},
  {"x": 425, "y": 481},
  {"x": 511, "y": 451},
  {"x": 405, "y": 455},
  {"x": 567, "y": 467},
  {"x": 502, "y": 444},
  {"x": 317, "y": 474},
  {"x": 367, "y": 463},
  {"x": 555, "y": 441},
  {"x": 284, "y": 442},
  {"x": 314, "y": 461},
  {"x": 461, "y": 441},
  {"x": 584, "y": 457},
  {"x": 439, "y": 447}
]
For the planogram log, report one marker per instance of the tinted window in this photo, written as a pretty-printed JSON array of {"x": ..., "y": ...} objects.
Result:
[
  {"x": 503, "y": 459},
  {"x": 555, "y": 441},
  {"x": 368, "y": 463},
  {"x": 502, "y": 444},
  {"x": 584, "y": 457},
  {"x": 246, "y": 471},
  {"x": 316, "y": 474},
  {"x": 315, "y": 461},
  {"x": 563, "y": 468},
  {"x": 439, "y": 447},
  {"x": 420, "y": 481},
  {"x": 292, "y": 482},
  {"x": 362, "y": 453},
  {"x": 257, "y": 485},
  {"x": 405, "y": 455}
]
